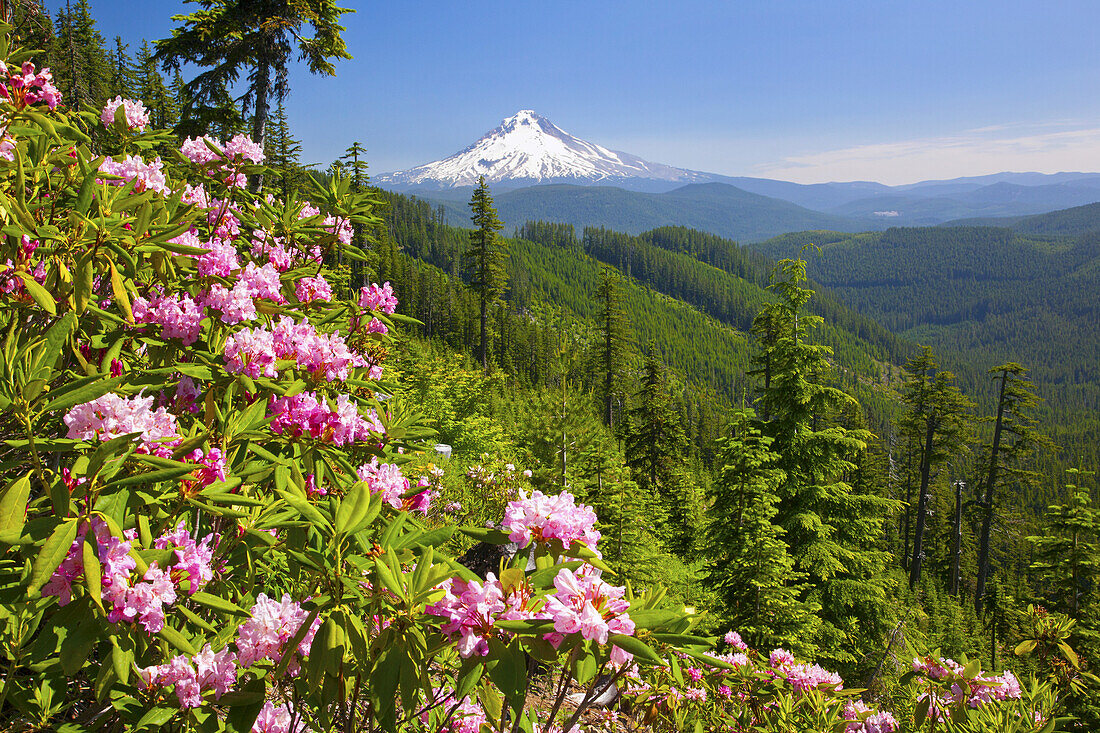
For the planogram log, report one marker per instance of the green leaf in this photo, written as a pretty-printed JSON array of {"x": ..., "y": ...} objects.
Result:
[
  {"x": 178, "y": 640},
  {"x": 971, "y": 670},
  {"x": 1024, "y": 647},
  {"x": 85, "y": 279},
  {"x": 920, "y": 713},
  {"x": 53, "y": 552},
  {"x": 151, "y": 477},
  {"x": 635, "y": 646},
  {"x": 353, "y": 507},
  {"x": 509, "y": 673},
  {"x": 217, "y": 603},
  {"x": 654, "y": 618},
  {"x": 13, "y": 503},
  {"x": 64, "y": 399},
  {"x": 40, "y": 295}
]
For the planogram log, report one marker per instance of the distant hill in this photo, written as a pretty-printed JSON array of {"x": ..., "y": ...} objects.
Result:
[
  {"x": 984, "y": 294},
  {"x": 718, "y": 208},
  {"x": 1065, "y": 223}
]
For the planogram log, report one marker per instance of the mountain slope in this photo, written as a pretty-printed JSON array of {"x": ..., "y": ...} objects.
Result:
[
  {"x": 986, "y": 295},
  {"x": 719, "y": 208}
]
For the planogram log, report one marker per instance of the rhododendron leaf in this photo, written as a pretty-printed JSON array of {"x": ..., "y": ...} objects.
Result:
[
  {"x": 83, "y": 390},
  {"x": 525, "y": 626},
  {"x": 52, "y": 553},
  {"x": 490, "y": 536},
  {"x": 1070, "y": 655},
  {"x": 492, "y": 703},
  {"x": 245, "y": 704},
  {"x": 13, "y": 503},
  {"x": 85, "y": 195},
  {"x": 218, "y": 603},
  {"x": 122, "y": 657},
  {"x": 196, "y": 619},
  {"x": 121, "y": 297},
  {"x": 653, "y": 618},
  {"x": 85, "y": 277},
  {"x": 684, "y": 640},
  {"x": 40, "y": 295},
  {"x": 545, "y": 577},
  {"x": 150, "y": 477},
  {"x": 920, "y": 712},
  {"x": 177, "y": 640},
  {"x": 307, "y": 510},
  {"x": 509, "y": 673},
  {"x": 220, "y": 511},
  {"x": 157, "y": 717},
  {"x": 93, "y": 579},
  {"x": 585, "y": 666},
  {"x": 971, "y": 670},
  {"x": 641, "y": 651},
  {"x": 353, "y": 507},
  {"x": 56, "y": 338}
]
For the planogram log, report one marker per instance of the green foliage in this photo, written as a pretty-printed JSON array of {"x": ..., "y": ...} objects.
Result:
[{"x": 485, "y": 260}]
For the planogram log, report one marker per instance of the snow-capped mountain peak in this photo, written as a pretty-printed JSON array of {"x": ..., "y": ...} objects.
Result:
[{"x": 526, "y": 149}]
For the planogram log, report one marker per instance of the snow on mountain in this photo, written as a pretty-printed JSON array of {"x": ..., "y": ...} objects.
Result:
[{"x": 527, "y": 149}]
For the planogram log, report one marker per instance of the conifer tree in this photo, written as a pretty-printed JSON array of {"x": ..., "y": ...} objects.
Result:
[
  {"x": 229, "y": 38},
  {"x": 832, "y": 532},
  {"x": 150, "y": 88},
  {"x": 122, "y": 72},
  {"x": 82, "y": 68},
  {"x": 656, "y": 448},
  {"x": 613, "y": 338},
  {"x": 485, "y": 260},
  {"x": 748, "y": 566},
  {"x": 937, "y": 421},
  {"x": 283, "y": 153},
  {"x": 1067, "y": 554},
  {"x": 1014, "y": 435}
]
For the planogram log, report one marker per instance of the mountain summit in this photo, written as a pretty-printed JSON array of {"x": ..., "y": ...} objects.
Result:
[{"x": 527, "y": 149}]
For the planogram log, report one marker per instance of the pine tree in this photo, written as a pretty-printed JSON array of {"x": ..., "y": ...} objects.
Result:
[
  {"x": 122, "y": 72},
  {"x": 485, "y": 260},
  {"x": 832, "y": 532},
  {"x": 748, "y": 566},
  {"x": 82, "y": 68},
  {"x": 937, "y": 422},
  {"x": 1014, "y": 436},
  {"x": 150, "y": 88},
  {"x": 231, "y": 37},
  {"x": 283, "y": 153},
  {"x": 613, "y": 339},
  {"x": 1067, "y": 554},
  {"x": 656, "y": 448}
]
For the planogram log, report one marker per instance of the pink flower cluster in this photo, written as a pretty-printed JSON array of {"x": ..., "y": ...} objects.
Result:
[
  {"x": 342, "y": 228},
  {"x": 238, "y": 150},
  {"x": 377, "y": 297},
  {"x": 471, "y": 609},
  {"x": 25, "y": 87},
  {"x": 220, "y": 261},
  {"x": 734, "y": 640},
  {"x": 326, "y": 356},
  {"x": 309, "y": 289},
  {"x": 111, "y": 416},
  {"x": 387, "y": 479},
  {"x": 586, "y": 605},
  {"x": 542, "y": 518},
  {"x": 276, "y": 719},
  {"x": 949, "y": 685},
  {"x": 137, "y": 117},
  {"x": 149, "y": 176},
  {"x": 134, "y": 602},
  {"x": 272, "y": 625},
  {"x": 178, "y": 315},
  {"x": 865, "y": 720},
  {"x": 308, "y": 414},
  {"x": 193, "y": 675}
]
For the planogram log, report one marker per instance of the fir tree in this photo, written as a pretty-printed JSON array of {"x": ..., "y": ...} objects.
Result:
[
  {"x": 937, "y": 423},
  {"x": 150, "y": 88},
  {"x": 1067, "y": 554},
  {"x": 613, "y": 338},
  {"x": 485, "y": 260},
  {"x": 832, "y": 532},
  {"x": 283, "y": 153},
  {"x": 231, "y": 37},
  {"x": 1014, "y": 436},
  {"x": 748, "y": 566},
  {"x": 122, "y": 72},
  {"x": 82, "y": 69}
]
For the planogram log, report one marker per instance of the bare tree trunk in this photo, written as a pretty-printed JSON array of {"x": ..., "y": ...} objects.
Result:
[
  {"x": 956, "y": 545},
  {"x": 922, "y": 506},
  {"x": 262, "y": 110}
]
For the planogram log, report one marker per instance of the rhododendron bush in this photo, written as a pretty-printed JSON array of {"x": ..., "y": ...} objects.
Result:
[{"x": 205, "y": 516}]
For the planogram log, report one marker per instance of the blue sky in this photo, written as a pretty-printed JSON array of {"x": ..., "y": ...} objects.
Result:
[{"x": 805, "y": 91}]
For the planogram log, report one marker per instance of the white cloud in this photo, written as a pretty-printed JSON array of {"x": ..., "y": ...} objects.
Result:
[{"x": 971, "y": 153}]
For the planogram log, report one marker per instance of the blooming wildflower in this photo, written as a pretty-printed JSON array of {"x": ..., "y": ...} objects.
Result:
[
  {"x": 309, "y": 289},
  {"x": 271, "y": 626},
  {"x": 111, "y": 416},
  {"x": 137, "y": 117},
  {"x": 378, "y": 298},
  {"x": 540, "y": 518},
  {"x": 149, "y": 176},
  {"x": 586, "y": 605},
  {"x": 179, "y": 316}
]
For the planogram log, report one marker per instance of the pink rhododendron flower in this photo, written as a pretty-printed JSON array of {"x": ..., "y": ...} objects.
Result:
[
  {"x": 26, "y": 87},
  {"x": 781, "y": 659},
  {"x": 137, "y": 117},
  {"x": 197, "y": 151},
  {"x": 271, "y": 626},
  {"x": 309, "y": 289},
  {"x": 178, "y": 315},
  {"x": 149, "y": 176},
  {"x": 306, "y": 414},
  {"x": 586, "y": 605},
  {"x": 220, "y": 261},
  {"x": 471, "y": 609},
  {"x": 734, "y": 640},
  {"x": 242, "y": 147},
  {"x": 236, "y": 305},
  {"x": 541, "y": 518},
  {"x": 111, "y": 416},
  {"x": 251, "y": 352},
  {"x": 192, "y": 558},
  {"x": 378, "y": 298}
]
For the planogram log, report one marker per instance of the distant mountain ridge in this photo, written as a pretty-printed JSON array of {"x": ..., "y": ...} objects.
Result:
[{"x": 527, "y": 152}]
